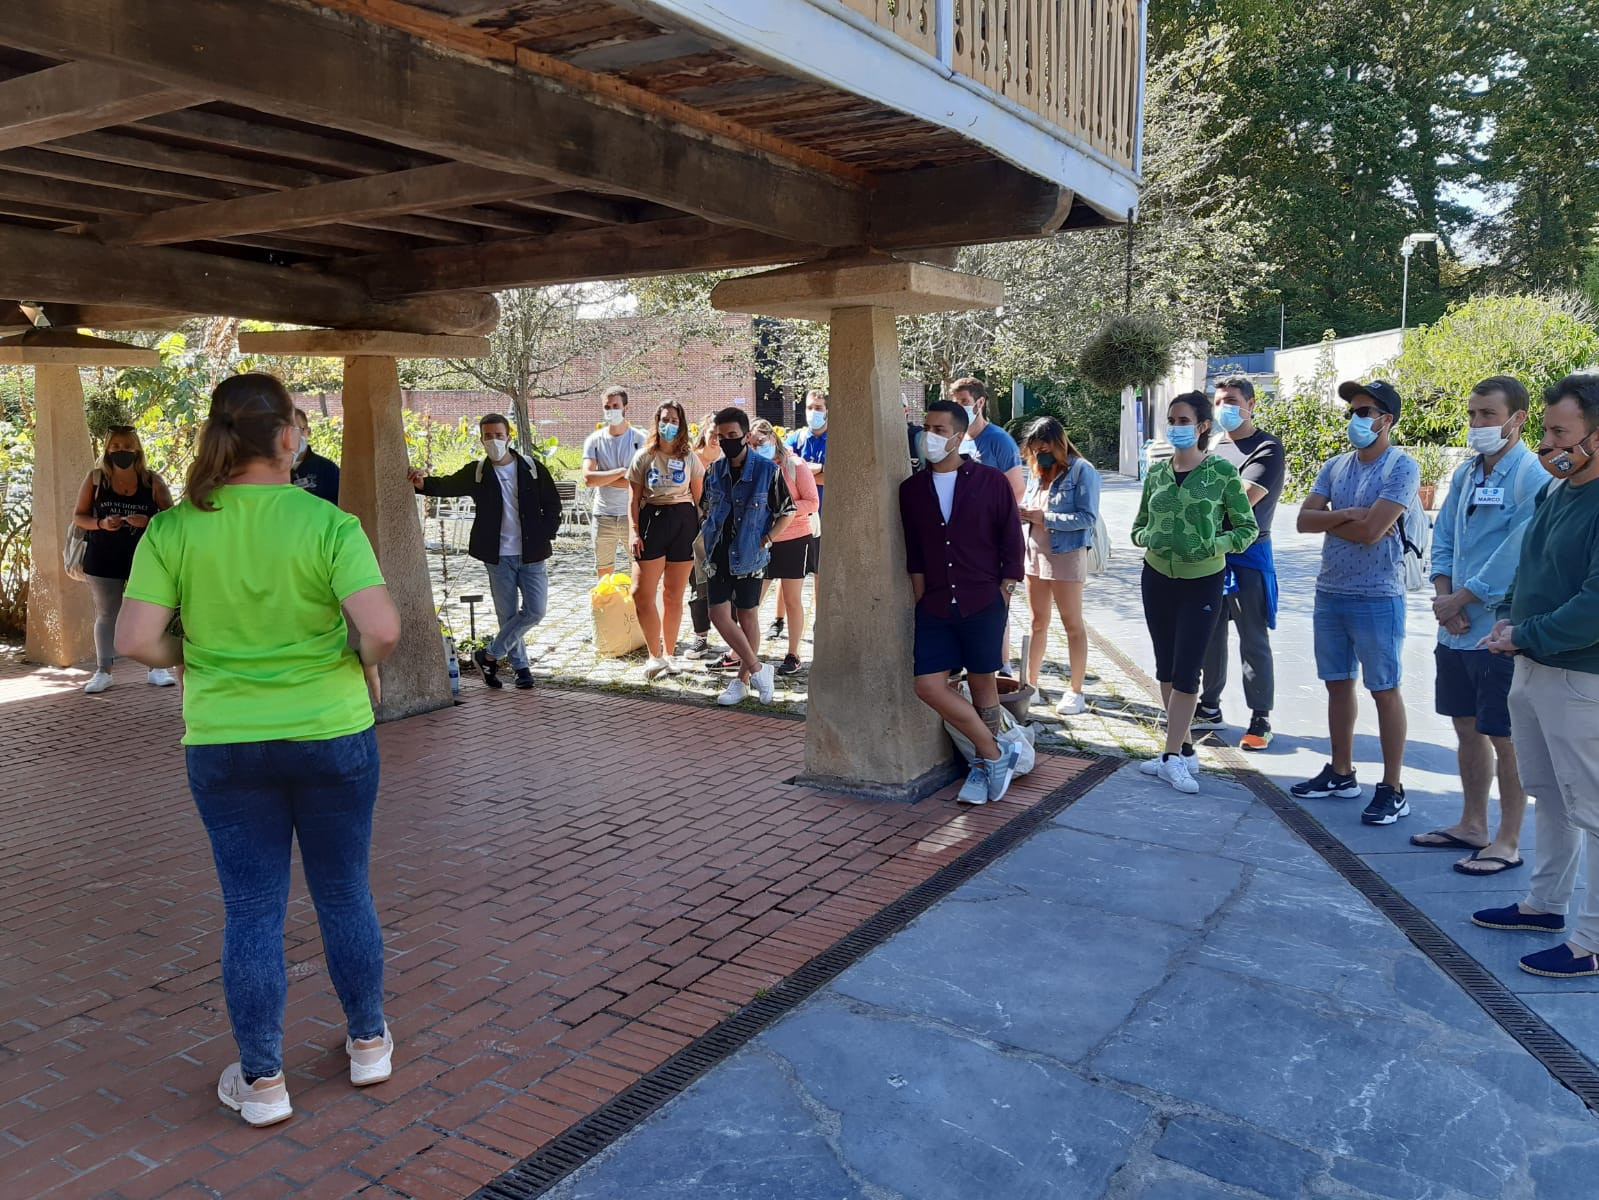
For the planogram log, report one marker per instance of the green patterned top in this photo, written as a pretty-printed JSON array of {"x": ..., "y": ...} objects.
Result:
[{"x": 1188, "y": 530}]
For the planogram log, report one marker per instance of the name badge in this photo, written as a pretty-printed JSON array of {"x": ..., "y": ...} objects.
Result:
[
  {"x": 1486, "y": 496},
  {"x": 675, "y": 463}
]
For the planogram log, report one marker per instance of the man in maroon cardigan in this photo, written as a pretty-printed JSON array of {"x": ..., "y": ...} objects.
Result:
[{"x": 963, "y": 549}]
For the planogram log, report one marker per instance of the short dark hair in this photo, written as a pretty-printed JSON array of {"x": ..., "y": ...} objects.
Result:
[
  {"x": 1204, "y": 410},
  {"x": 1508, "y": 386},
  {"x": 615, "y": 391},
  {"x": 493, "y": 419},
  {"x": 970, "y": 384},
  {"x": 1239, "y": 384},
  {"x": 733, "y": 414},
  {"x": 954, "y": 411},
  {"x": 1584, "y": 389},
  {"x": 300, "y": 412}
]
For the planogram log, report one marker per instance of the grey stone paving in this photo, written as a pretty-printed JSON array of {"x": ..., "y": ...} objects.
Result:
[{"x": 1106, "y": 1013}]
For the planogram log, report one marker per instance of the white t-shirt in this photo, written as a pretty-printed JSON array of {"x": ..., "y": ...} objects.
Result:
[
  {"x": 944, "y": 485},
  {"x": 510, "y": 512}
]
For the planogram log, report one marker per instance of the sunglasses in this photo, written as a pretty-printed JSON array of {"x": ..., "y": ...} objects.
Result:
[{"x": 1366, "y": 410}]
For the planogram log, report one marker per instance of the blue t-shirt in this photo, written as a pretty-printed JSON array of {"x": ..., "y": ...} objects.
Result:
[
  {"x": 996, "y": 448},
  {"x": 812, "y": 448},
  {"x": 1351, "y": 569}
]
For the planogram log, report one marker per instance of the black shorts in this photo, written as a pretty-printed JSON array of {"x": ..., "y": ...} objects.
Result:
[
  {"x": 1474, "y": 683},
  {"x": 668, "y": 531},
  {"x": 744, "y": 591},
  {"x": 1181, "y": 615},
  {"x": 790, "y": 559},
  {"x": 816, "y": 554}
]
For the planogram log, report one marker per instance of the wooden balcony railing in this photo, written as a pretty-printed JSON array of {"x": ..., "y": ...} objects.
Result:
[{"x": 1075, "y": 63}]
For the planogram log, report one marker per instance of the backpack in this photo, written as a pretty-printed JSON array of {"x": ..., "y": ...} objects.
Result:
[{"x": 1414, "y": 526}]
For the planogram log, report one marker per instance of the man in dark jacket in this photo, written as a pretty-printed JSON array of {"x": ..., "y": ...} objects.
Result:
[
  {"x": 517, "y": 515},
  {"x": 317, "y": 475}
]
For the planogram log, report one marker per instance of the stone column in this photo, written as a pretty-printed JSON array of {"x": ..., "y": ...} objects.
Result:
[
  {"x": 372, "y": 485},
  {"x": 61, "y": 610},
  {"x": 865, "y": 729}
]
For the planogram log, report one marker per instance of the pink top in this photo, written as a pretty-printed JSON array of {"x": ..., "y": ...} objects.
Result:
[{"x": 802, "y": 486}]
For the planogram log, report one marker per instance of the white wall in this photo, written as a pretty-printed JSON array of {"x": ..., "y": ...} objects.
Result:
[
  {"x": 1352, "y": 358},
  {"x": 1187, "y": 375}
]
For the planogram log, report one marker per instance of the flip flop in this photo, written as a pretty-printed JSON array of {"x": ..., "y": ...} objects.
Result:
[
  {"x": 1450, "y": 842},
  {"x": 1505, "y": 864}
]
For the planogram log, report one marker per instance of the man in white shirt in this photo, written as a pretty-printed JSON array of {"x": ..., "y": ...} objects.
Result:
[{"x": 607, "y": 455}]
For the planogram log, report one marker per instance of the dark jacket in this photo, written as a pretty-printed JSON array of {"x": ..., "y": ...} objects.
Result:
[
  {"x": 318, "y": 475},
  {"x": 536, "y": 497}
]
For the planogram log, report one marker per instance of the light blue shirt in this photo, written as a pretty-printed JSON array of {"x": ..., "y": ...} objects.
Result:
[
  {"x": 1349, "y": 568},
  {"x": 1476, "y": 545}
]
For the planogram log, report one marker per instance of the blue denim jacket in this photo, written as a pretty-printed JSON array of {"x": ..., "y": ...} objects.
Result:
[
  {"x": 1479, "y": 549},
  {"x": 1072, "y": 504},
  {"x": 747, "y": 501}
]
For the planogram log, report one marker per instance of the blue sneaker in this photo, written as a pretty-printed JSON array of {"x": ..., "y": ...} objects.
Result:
[
  {"x": 1000, "y": 771},
  {"x": 975, "y": 789}
]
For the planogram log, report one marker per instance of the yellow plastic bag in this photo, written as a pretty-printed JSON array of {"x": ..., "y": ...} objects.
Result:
[{"x": 616, "y": 628}]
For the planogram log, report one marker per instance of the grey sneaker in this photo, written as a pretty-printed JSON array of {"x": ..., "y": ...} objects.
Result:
[
  {"x": 265, "y": 1102},
  {"x": 975, "y": 789},
  {"x": 1000, "y": 771}
]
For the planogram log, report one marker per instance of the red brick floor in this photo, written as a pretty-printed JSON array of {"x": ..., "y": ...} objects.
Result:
[{"x": 573, "y": 887}]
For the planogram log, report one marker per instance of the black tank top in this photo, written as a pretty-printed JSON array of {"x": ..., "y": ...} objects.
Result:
[{"x": 108, "y": 553}]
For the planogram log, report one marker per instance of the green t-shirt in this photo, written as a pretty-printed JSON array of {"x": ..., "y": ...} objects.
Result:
[{"x": 259, "y": 582}]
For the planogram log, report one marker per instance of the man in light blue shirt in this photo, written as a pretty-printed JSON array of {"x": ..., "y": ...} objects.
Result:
[{"x": 1476, "y": 542}]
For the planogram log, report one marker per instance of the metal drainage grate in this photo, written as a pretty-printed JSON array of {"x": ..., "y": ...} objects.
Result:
[
  {"x": 1564, "y": 1061},
  {"x": 537, "y": 1173}
]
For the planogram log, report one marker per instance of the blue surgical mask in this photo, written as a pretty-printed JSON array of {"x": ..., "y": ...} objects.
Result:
[
  {"x": 816, "y": 419},
  {"x": 668, "y": 431},
  {"x": 1360, "y": 432},
  {"x": 1229, "y": 417},
  {"x": 766, "y": 449},
  {"x": 1183, "y": 437}
]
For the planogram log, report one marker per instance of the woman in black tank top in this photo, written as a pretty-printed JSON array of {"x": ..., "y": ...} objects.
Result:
[{"x": 115, "y": 504}]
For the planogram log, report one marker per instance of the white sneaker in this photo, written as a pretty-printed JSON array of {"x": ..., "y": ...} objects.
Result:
[
  {"x": 671, "y": 667},
  {"x": 161, "y": 677},
  {"x": 1071, "y": 704},
  {"x": 371, "y": 1064},
  {"x": 98, "y": 683},
  {"x": 1175, "y": 772},
  {"x": 737, "y": 689},
  {"x": 265, "y": 1102},
  {"x": 654, "y": 667},
  {"x": 1189, "y": 759},
  {"x": 763, "y": 681}
]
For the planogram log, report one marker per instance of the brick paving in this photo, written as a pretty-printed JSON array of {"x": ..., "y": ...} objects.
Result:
[{"x": 574, "y": 884}]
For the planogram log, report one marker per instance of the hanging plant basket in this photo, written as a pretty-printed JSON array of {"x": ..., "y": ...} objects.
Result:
[{"x": 1132, "y": 350}]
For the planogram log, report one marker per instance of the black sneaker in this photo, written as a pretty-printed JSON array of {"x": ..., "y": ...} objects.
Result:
[
  {"x": 728, "y": 662},
  {"x": 524, "y": 679},
  {"x": 1387, "y": 806},
  {"x": 775, "y": 630},
  {"x": 790, "y": 665},
  {"x": 490, "y": 668},
  {"x": 699, "y": 650},
  {"x": 1328, "y": 783},
  {"x": 1207, "y": 718}
]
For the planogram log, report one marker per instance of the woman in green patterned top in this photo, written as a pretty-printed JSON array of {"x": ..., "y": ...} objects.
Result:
[{"x": 1193, "y": 513}]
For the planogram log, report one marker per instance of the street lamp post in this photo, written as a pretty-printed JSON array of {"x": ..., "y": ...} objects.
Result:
[{"x": 1406, "y": 249}]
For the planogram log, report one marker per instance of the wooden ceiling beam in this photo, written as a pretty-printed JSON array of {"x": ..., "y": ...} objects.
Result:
[
  {"x": 382, "y": 83},
  {"x": 76, "y": 97},
  {"x": 61, "y": 268}
]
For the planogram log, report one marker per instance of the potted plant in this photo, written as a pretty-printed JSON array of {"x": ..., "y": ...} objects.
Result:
[
  {"x": 1132, "y": 350},
  {"x": 1434, "y": 463}
]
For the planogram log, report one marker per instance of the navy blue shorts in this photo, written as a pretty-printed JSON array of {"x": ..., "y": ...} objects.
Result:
[
  {"x": 945, "y": 644},
  {"x": 1474, "y": 683}
]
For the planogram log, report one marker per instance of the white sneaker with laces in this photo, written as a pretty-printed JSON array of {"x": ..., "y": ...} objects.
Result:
[
  {"x": 736, "y": 690},
  {"x": 161, "y": 677},
  {"x": 1190, "y": 760},
  {"x": 265, "y": 1102},
  {"x": 763, "y": 681},
  {"x": 1071, "y": 704},
  {"x": 98, "y": 682},
  {"x": 1175, "y": 772},
  {"x": 371, "y": 1064}
]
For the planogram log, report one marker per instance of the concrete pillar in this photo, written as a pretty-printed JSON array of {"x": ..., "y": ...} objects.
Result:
[
  {"x": 60, "y": 610},
  {"x": 865, "y": 730}
]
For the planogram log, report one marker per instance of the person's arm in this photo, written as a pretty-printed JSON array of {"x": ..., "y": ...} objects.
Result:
[
  {"x": 144, "y": 634},
  {"x": 781, "y": 504},
  {"x": 635, "y": 501},
  {"x": 462, "y": 483},
  {"x": 374, "y": 632},
  {"x": 1441, "y": 568},
  {"x": 1372, "y": 524},
  {"x": 1141, "y": 520},
  {"x": 914, "y": 563},
  {"x": 1315, "y": 515},
  {"x": 594, "y": 477},
  {"x": 1017, "y": 476},
  {"x": 918, "y": 586},
  {"x": 1397, "y": 489},
  {"x": 1245, "y": 529},
  {"x": 549, "y": 501},
  {"x": 1008, "y": 536},
  {"x": 1492, "y": 584},
  {"x": 1573, "y": 625},
  {"x": 1263, "y": 472},
  {"x": 83, "y": 515},
  {"x": 163, "y": 495}
]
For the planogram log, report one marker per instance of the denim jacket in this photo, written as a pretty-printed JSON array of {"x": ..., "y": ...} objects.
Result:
[
  {"x": 747, "y": 501},
  {"x": 1073, "y": 502}
]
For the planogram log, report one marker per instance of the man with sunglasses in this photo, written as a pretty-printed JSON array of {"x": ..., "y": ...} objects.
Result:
[{"x": 1358, "y": 501}]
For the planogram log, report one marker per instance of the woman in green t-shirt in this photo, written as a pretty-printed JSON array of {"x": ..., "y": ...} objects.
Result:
[{"x": 285, "y": 619}]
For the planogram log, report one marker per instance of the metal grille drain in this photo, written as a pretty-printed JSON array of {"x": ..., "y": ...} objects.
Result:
[
  {"x": 1560, "y": 1058},
  {"x": 562, "y": 1155}
]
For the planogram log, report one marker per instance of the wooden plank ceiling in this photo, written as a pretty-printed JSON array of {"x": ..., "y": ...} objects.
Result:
[{"x": 361, "y": 161}]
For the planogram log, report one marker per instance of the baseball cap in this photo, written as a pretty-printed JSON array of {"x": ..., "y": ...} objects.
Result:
[{"x": 1382, "y": 394}]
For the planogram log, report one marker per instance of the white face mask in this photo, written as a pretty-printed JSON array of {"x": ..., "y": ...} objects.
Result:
[
  {"x": 1487, "y": 441},
  {"x": 615, "y": 416},
  {"x": 971, "y": 413},
  {"x": 935, "y": 446},
  {"x": 496, "y": 448},
  {"x": 301, "y": 446}
]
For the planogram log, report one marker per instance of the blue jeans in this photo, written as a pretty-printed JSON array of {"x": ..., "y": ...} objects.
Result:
[
  {"x": 1363, "y": 631},
  {"x": 255, "y": 798},
  {"x": 521, "y": 592}
]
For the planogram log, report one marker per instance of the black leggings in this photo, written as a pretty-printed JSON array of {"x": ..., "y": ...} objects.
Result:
[{"x": 1181, "y": 615}]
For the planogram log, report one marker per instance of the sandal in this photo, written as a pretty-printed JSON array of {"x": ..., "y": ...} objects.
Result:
[
  {"x": 1505, "y": 864},
  {"x": 1448, "y": 841}
]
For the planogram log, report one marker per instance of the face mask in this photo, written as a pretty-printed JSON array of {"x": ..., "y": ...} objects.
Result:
[
  {"x": 767, "y": 449},
  {"x": 1046, "y": 460},
  {"x": 816, "y": 419},
  {"x": 668, "y": 431},
  {"x": 1183, "y": 437},
  {"x": 1564, "y": 461},
  {"x": 732, "y": 447},
  {"x": 935, "y": 446},
  {"x": 301, "y": 446},
  {"x": 123, "y": 458},
  {"x": 971, "y": 413},
  {"x": 1229, "y": 417},
  {"x": 615, "y": 416},
  {"x": 496, "y": 448},
  {"x": 1487, "y": 441},
  {"x": 1360, "y": 433}
]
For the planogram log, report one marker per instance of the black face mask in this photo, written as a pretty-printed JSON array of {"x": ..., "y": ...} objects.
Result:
[
  {"x": 732, "y": 447},
  {"x": 123, "y": 458}
]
